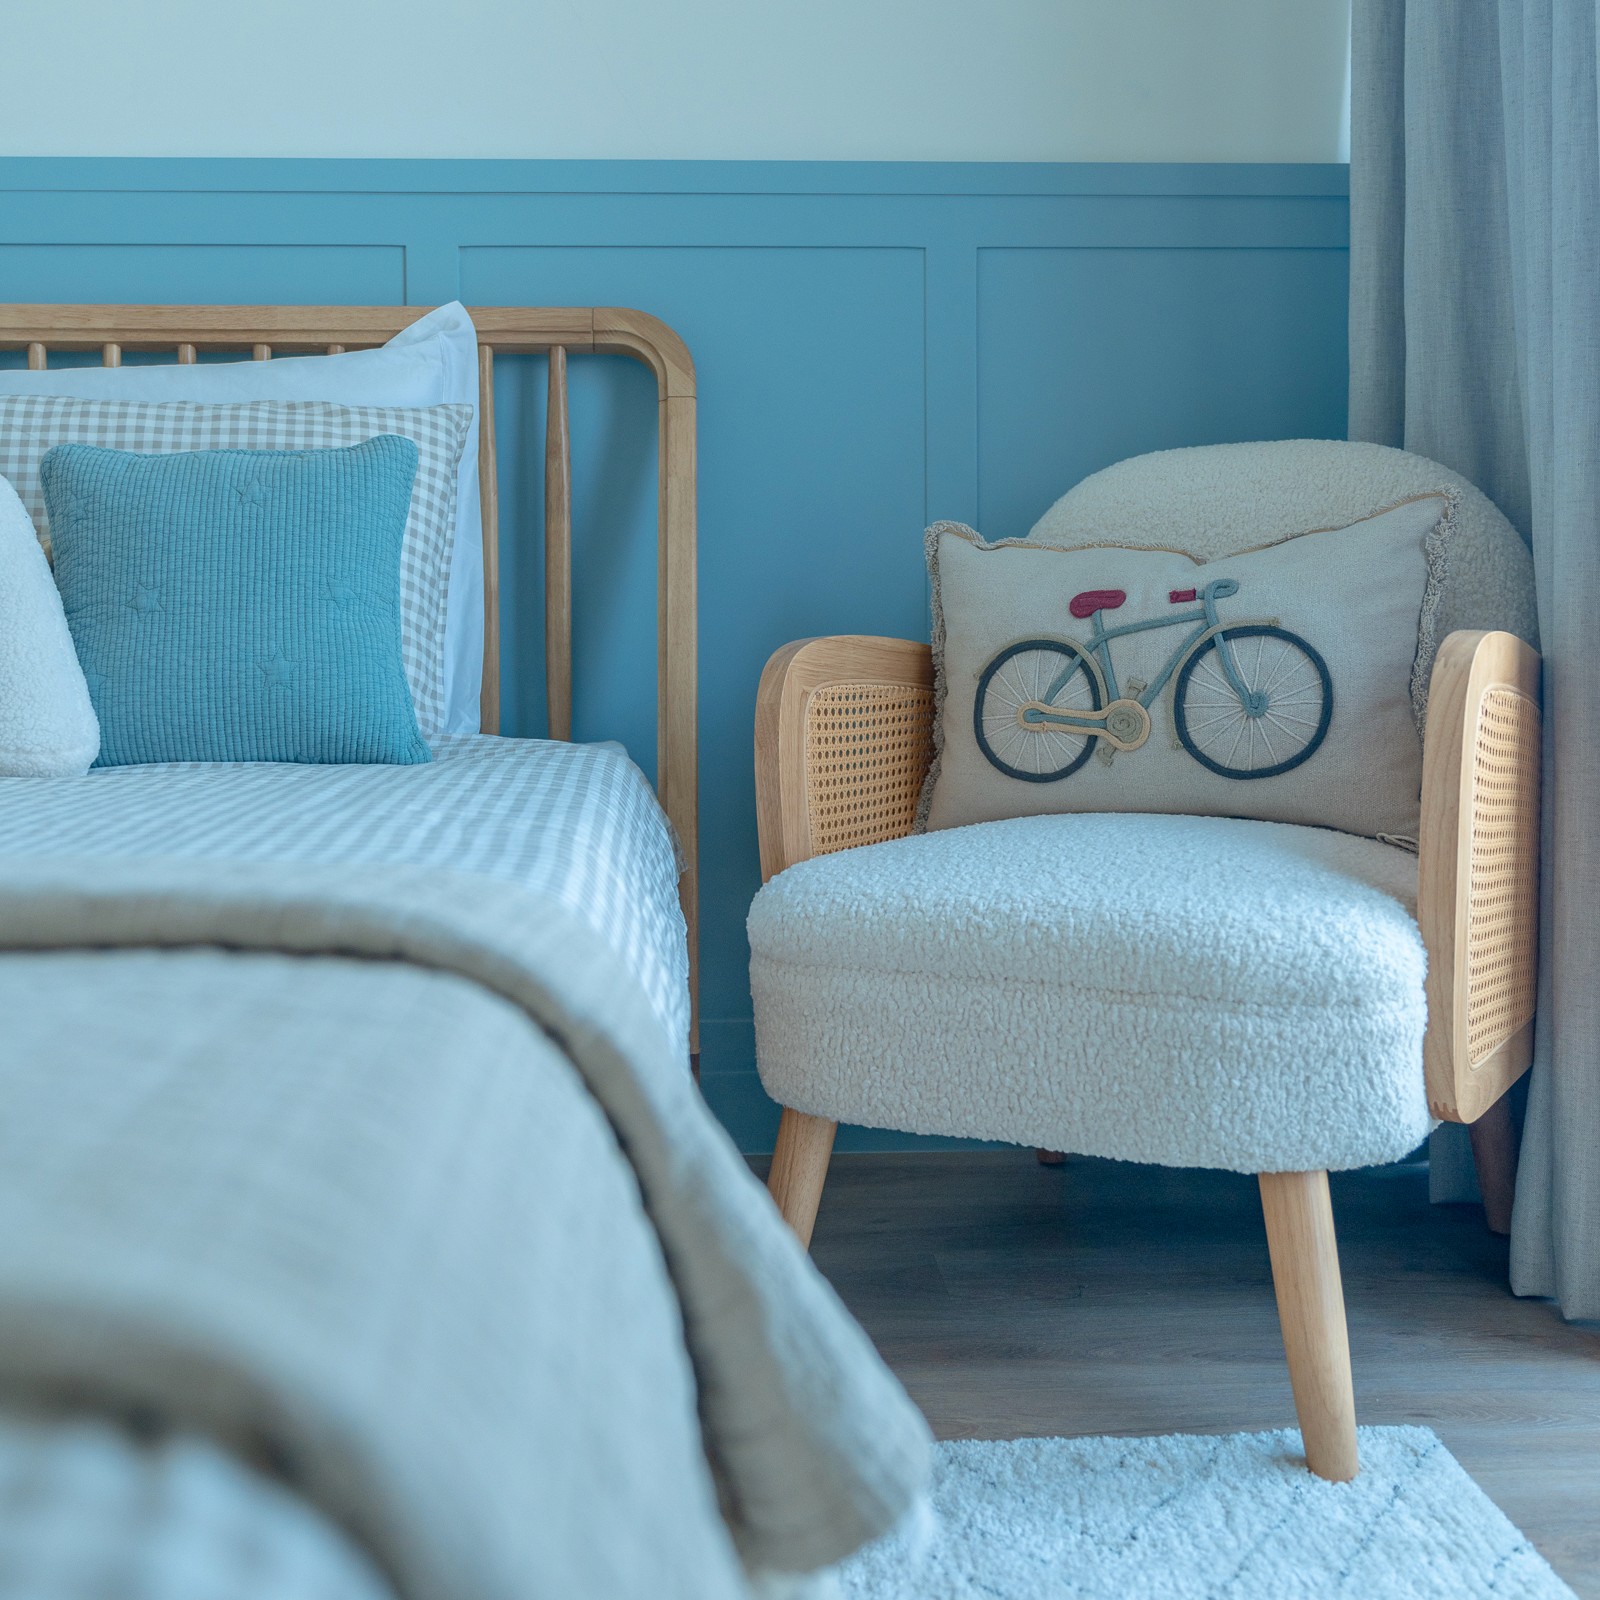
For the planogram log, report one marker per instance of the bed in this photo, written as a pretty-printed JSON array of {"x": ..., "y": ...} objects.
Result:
[{"x": 362, "y": 1231}]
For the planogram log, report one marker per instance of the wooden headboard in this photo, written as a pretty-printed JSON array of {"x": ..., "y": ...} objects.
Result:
[{"x": 503, "y": 330}]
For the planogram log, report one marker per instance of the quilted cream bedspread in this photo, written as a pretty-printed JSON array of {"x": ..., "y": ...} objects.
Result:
[{"x": 388, "y": 1181}]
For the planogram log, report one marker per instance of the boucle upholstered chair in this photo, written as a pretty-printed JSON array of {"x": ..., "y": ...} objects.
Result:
[{"x": 1188, "y": 991}]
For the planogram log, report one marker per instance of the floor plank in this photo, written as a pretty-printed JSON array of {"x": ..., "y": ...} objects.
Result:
[{"x": 1100, "y": 1297}]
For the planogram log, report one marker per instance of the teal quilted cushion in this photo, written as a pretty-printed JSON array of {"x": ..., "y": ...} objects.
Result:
[{"x": 238, "y": 605}]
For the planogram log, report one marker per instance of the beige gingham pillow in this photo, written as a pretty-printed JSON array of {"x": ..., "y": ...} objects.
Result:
[{"x": 31, "y": 424}]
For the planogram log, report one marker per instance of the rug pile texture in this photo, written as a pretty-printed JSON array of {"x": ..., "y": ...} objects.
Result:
[{"x": 1187, "y": 1515}]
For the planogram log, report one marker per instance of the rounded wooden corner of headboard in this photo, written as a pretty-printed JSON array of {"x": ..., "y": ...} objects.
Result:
[{"x": 647, "y": 338}]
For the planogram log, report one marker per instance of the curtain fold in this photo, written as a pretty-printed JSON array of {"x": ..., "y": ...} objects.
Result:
[{"x": 1475, "y": 339}]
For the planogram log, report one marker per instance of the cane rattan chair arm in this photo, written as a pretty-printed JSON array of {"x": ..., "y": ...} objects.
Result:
[
  {"x": 1478, "y": 892},
  {"x": 844, "y": 736}
]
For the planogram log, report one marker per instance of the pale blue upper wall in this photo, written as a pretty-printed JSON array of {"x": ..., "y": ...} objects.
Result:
[{"x": 920, "y": 80}]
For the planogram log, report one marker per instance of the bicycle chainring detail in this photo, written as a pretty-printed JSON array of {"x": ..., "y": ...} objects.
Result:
[{"x": 1126, "y": 724}]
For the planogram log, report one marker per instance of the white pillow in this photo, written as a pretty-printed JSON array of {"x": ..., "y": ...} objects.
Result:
[
  {"x": 433, "y": 362},
  {"x": 1282, "y": 684},
  {"x": 47, "y": 723}
]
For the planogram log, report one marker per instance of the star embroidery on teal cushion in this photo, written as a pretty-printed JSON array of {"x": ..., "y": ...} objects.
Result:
[
  {"x": 277, "y": 669},
  {"x": 96, "y": 682},
  {"x": 146, "y": 599},
  {"x": 73, "y": 498},
  {"x": 340, "y": 594},
  {"x": 254, "y": 493}
]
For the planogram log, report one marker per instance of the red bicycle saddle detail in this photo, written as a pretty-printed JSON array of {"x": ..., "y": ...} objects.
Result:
[{"x": 1093, "y": 600}]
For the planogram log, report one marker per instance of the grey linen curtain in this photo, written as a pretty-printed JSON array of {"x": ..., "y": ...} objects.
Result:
[{"x": 1475, "y": 339}]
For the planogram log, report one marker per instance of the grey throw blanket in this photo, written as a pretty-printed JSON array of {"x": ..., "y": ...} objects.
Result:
[{"x": 393, "y": 1383}]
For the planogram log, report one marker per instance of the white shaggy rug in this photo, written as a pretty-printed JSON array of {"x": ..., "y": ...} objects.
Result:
[{"x": 1186, "y": 1515}]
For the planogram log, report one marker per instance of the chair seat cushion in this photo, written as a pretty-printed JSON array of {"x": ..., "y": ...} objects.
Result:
[{"x": 1192, "y": 991}]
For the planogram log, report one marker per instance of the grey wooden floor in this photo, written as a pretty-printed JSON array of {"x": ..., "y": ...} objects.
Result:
[{"x": 1103, "y": 1298}]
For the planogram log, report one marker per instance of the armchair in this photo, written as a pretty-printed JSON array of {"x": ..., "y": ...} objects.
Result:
[{"x": 990, "y": 981}]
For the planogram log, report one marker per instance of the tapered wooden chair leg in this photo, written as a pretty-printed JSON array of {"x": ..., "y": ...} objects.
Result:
[
  {"x": 1305, "y": 1274},
  {"x": 799, "y": 1169},
  {"x": 1494, "y": 1154}
]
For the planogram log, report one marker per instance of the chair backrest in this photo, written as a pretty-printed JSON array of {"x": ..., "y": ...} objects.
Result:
[{"x": 1216, "y": 500}]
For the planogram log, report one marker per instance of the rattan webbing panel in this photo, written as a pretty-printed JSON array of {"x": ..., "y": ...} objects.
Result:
[
  {"x": 1502, "y": 908},
  {"x": 868, "y": 746}
]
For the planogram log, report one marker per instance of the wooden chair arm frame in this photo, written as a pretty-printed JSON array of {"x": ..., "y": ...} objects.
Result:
[
  {"x": 1478, "y": 881},
  {"x": 844, "y": 736}
]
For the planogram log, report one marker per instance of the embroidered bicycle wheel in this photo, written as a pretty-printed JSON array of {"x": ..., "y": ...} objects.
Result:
[
  {"x": 1035, "y": 673},
  {"x": 1293, "y": 695}
]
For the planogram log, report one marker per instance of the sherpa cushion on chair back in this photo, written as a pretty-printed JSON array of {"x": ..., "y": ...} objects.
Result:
[{"x": 1216, "y": 500}]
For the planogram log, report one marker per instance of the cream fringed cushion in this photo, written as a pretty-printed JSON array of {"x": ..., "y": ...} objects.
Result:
[
  {"x": 1181, "y": 990},
  {"x": 1285, "y": 683},
  {"x": 47, "y": 723}
]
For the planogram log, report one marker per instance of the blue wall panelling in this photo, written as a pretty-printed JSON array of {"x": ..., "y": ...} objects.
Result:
[{"x": 877, "y": 345}]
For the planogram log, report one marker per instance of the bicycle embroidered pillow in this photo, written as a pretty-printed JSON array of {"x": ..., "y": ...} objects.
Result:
[{"x": 1285, "y": 683}]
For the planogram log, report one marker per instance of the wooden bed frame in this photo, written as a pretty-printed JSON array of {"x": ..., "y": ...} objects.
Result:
[{"x": 554, "y": 331}]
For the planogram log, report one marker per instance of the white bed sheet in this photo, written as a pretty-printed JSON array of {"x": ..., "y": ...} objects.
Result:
[{"x": 577, "y": 822}]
